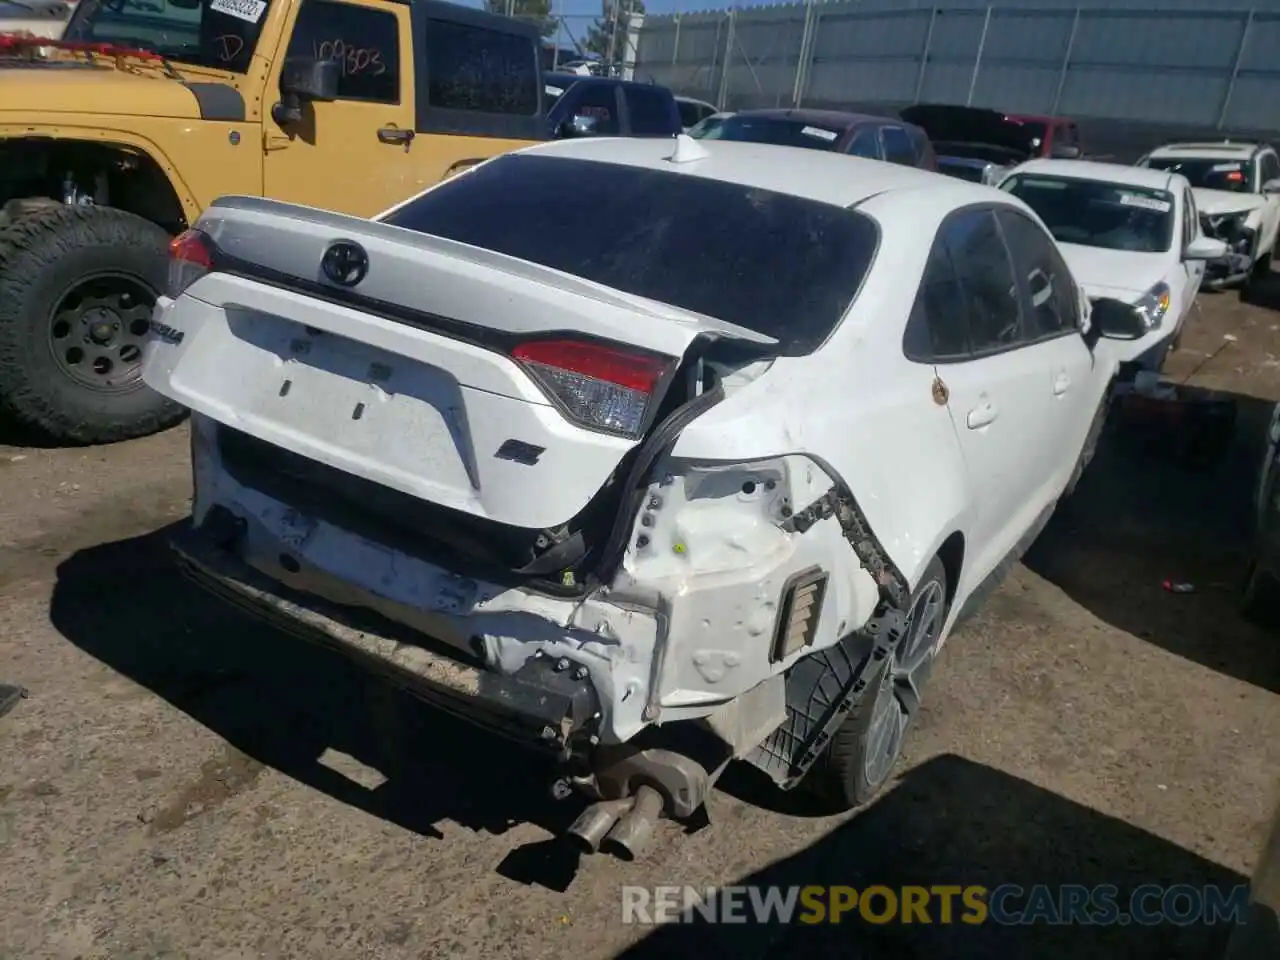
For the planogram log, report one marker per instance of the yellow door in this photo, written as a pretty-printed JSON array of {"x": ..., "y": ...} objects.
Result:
[{"x": 355, "y": 154}]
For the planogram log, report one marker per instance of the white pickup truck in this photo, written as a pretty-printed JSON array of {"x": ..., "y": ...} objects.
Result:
[{"x": 1236, "y": 189}]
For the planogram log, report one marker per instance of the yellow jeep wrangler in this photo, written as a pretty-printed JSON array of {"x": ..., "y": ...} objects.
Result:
[{"x": 147, "y": 110}]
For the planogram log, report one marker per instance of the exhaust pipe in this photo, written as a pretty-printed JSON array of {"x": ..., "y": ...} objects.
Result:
[
  {"x": 633, "y": 831},
  {"x": 595, "y": 822}
]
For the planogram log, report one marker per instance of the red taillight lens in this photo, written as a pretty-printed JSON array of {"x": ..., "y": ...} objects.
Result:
[
  {"x": 190, "y": 258},
  {"x": 602, "y": 387}
]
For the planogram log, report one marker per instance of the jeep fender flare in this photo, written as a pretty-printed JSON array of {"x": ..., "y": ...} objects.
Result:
[{"x": 118, "y": 139}]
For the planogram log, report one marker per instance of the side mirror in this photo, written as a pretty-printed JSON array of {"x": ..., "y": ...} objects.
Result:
[
  {"x": 1064, "y": 152},
  {"x": 579, "y": 125},
  {"x": 309, "y": 79},
  {"x": 1114, "y": 320},
  {"x": 1205, "y": 248},
  {"x": 1271, "y": 186},
  {"x": 303, "y": 79}
]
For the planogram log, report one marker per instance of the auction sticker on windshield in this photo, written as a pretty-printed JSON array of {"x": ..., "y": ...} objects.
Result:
[
  {"x": 250, "y": 11},
  {"x": 1144, "y": 202},
  {"x": 818, "y": 132}
]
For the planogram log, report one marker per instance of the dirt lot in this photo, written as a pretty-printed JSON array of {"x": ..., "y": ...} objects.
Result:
[{"x": 182, "y": 783}]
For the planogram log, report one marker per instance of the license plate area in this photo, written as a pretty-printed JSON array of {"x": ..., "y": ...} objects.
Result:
[{"x": 394, "y": 411}]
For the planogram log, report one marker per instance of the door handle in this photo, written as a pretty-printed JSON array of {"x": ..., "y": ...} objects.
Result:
[
  {"x": 1061, "y": 384},
  {"x": 395, "y": 135},
  {"x": 980, "y": 416}
]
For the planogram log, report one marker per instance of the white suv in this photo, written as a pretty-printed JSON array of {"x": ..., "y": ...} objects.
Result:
[
  {"x": 1236, "y": 187},
  {"x": 711, "y": 484}
]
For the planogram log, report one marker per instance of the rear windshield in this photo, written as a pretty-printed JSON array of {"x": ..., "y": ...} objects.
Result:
[
  {"x": 785, "y": 133},
  {"x": 1207, "y": 173},
  {"x": 780, "y": 265}
]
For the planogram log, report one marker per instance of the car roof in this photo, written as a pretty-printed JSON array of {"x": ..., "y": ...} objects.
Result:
[
  {"x": 701, "y": 103},
  {"x": 818, "y": 175},
  {"x": 1128, "y": 176},
  {"x": 1234, "y": 149},
  {"x": 839, "y": 119}
]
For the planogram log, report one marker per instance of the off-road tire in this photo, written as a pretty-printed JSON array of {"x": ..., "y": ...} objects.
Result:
[
  {"x": 42, "y": 253},
  {"x": 839, "y": 777}
]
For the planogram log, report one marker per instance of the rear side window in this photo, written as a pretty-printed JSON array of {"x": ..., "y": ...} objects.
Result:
[
  {"x": 364, "y": 42},
  {"x": 650, "y": 111},
  {"x": 690, "y": 114},
  {"x": 938, "y": 330},
  {"x": 986, "y": 276},
  {"x": 599, "y": 101},
  {"x": 481, "y": 71},
  {"x": 864, "y": 144},
  {"x": 1047, "y": 284},
  {"x": 780, "y": 265},
  {"x": 898, "y": 147}
]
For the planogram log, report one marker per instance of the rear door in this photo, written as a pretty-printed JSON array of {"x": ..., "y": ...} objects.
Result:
[
  {"x": 997, "y": 390},
  {"x": 1051, "y": 308}
]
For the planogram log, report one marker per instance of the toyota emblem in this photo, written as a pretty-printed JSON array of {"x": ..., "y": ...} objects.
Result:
[{"x": 345, "y": 263}]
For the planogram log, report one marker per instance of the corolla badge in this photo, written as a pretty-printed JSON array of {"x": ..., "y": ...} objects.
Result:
[{"x": 345, "y": 263}]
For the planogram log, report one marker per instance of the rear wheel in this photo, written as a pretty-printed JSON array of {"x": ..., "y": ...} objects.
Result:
[
  {"x": 77, "y": 287},
  {"x": 863, "y": 752}
]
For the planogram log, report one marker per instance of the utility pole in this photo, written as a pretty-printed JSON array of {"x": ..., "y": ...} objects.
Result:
[{"x": 613, "y": 33}]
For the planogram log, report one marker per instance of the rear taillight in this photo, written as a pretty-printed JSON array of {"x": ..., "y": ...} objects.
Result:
[
  {"x": 602, "y": 387},
  {"x": 190, "y": 258}
]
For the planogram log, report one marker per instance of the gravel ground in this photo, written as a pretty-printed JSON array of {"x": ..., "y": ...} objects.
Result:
[{"x": 183, "y": 783}]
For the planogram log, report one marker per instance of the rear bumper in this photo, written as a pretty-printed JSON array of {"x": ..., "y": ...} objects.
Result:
[{"x": 550, "y": 704}]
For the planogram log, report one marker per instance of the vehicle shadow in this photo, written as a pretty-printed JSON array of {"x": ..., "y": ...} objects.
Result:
[
  {"x": 955, "y": 822},
  {"x": 285, "y": 702},
  {"x": 1139, "y": 518}
]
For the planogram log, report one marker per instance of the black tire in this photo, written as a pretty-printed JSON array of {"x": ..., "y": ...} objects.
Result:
[
  {"x": 46, "y": 253},
  {"x": 1260, "y": 597},
  {"x": 849, "y": 774}
]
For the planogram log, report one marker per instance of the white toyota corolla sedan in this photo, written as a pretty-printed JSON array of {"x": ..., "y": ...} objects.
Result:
[
  {"x": 655, "y": 454},
  {"x": 1127, "y": 232}
]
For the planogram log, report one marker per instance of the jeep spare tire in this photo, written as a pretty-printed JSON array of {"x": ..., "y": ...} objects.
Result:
[{"x": 77, "y": 287}]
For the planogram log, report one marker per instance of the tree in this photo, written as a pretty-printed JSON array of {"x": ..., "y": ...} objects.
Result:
[
  {"x": 538, "y": 11},
  {"x": 608, "y": 35}
]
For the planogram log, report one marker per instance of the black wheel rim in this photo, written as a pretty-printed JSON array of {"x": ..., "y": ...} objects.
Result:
[
  {"x": 97, "y": 330},
  {"x": 898, "y": 698}
]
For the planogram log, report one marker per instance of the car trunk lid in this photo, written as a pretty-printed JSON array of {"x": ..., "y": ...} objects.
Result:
[{"x": 462, "y": 377}]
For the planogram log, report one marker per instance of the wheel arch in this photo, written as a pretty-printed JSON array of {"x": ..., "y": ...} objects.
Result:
[
  {"x": 951, "y": 553},
  {"x": 137, "y": 176}
]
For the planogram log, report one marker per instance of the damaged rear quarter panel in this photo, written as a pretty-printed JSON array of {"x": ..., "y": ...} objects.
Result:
[{"x": 860, "y": 409}]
